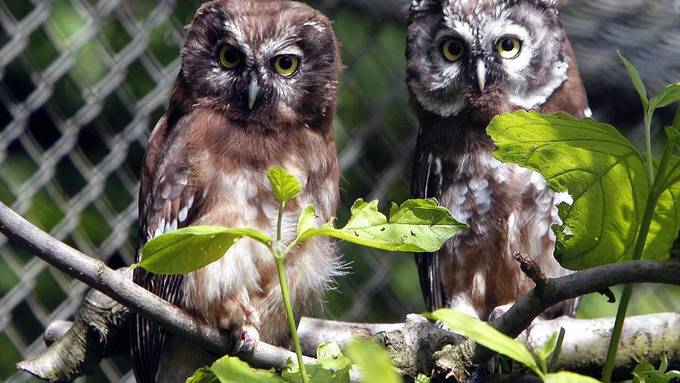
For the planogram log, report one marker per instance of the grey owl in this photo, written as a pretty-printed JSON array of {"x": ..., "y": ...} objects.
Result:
[
  {"x": 256, "y": 88},
  {"x": 468, "y": 61}
]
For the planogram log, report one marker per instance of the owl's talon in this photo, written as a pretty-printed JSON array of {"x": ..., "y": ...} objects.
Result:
[{"x": 246, "y": 338}]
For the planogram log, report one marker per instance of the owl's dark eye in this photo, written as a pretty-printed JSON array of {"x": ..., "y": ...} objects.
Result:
[
  {"x": 509, "y": 47},
  {"x": 453, "y": 49},
  {"x": 230, "y": 57},
  {"x": 286, "y": 65}
]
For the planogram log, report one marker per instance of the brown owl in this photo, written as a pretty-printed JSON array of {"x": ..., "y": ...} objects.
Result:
[
  {"x": 468, "y": 61},
  {"x": 256, "y": 88}
]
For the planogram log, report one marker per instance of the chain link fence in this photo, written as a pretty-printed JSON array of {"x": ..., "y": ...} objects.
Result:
[{"x": 82, "y": 83}]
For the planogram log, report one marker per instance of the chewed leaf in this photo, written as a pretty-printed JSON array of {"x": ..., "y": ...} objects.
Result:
[
  {"x": 415, "y": 226},
  {"x": 601, "y": 170},
  {"x": 284, "y": 184},
  {"x": 191, "y": 248},
  {"x": 486, "y": 335}
]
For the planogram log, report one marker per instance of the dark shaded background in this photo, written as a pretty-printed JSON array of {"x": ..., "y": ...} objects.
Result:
[{"x": 82, "y": 82}]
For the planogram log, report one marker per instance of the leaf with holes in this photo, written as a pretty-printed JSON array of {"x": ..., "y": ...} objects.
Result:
[{"x": 417, "y": 225}]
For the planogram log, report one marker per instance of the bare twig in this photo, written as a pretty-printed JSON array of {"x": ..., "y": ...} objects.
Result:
[{"x": 531, "y": 269}]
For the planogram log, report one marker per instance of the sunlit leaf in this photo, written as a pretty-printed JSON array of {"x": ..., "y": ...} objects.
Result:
[
  {"x": 373, "y": 361},
  {"x": 230, "y": 369},
  {"x": 600, "y": 169},
  {"x": 307, "y": 220},
  {"x": 486, "y": 335},
  {"x": 190, "y": 248},
  {"x": 568, "y": 377},
  {"x": 284, "y": 184},
  {"x": 203, "y": 375},
  {"x": 417, "y": 225},
  {"x": 331, "y": 366}
]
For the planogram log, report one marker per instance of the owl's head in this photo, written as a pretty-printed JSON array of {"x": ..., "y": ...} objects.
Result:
[
  {"x": 264, "y": 63},
  {"x": 484, "y": 57}
]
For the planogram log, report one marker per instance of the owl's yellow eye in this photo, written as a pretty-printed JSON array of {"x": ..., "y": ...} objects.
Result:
[
  {"x": 230, "y": 57},
  {"x": 509, "y": 47},
  {"x": 286, "y": 65},
  {"x": 453, "y": 49}
]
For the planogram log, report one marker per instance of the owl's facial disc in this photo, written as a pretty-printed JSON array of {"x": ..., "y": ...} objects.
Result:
[{"x": 485, "y": 57}]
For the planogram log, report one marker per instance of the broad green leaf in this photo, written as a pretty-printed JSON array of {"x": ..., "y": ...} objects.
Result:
[
  {"x": 418, "y": 225},
  {"x": 666, "y": 222},
  {"x": 284, "y": 184},
  {"x": 667, "y": 96},
  {"x": 375, "y": 364},
  {"x": 230, "y": 369},
  {"x": 423, "y": 379},
  {"x": 545, "y": 351},
  {"x": 601, "y": 170},
  {"x": 568, "y": 377},
  {"x": 331, "y": 366},
  {"x": 202, "y": 375},
  {"x": 635, "y": 78},
  {"x": 190, "y": 248},
  {"x": 486, "y": 335}
]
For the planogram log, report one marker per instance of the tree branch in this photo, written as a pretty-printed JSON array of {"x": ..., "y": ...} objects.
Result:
[
  {"x": 97, "y": 275},
  {"x": 411, "y": 344}
]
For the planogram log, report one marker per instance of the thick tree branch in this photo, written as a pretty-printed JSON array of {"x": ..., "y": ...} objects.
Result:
[
  {"x": 411, "y": 344},
  {"x": 97, "y": 275}
]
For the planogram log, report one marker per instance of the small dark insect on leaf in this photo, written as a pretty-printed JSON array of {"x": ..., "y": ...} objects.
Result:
[
  {"x": 355, "y": 233},
  {"x": 412, "y": 233},
  {"x": 383, "y": 229}
]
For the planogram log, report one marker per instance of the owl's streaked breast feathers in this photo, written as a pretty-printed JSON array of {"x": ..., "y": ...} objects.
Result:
[{"x": 468, "y": 61}]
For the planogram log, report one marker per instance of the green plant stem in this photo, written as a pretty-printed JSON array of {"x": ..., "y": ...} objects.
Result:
[
  {"x": 655, "y": 192},
  {"x": 291, "y": 318},
  {"x": 556, "y": 354},
  {"x": 648, "y": 143},
  {"x": 280, "y": 257}
]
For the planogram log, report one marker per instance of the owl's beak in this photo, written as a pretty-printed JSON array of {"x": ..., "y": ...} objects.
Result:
[
  {"x": 253, "y": 89},
  {"x": 480, "y": 71}
]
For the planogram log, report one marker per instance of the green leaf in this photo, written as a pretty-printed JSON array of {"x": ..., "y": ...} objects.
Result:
[
  {"x": 202, "y": 375},
  {"x": 307, "y": 220},
  {"x": 673, "y": 134},
  {"x": 645, "y": 372},
  {"x": 418, "y": 225},
  {"x": 601, "y": 170},
  {"x": 190, "y": 248},
  {"x": 331, "y": 366},
  {"x": 230, "y": 369},
  {"x": 568, "y": 377},
  {"x": 375, "y": 364},
  {"x": 423, "y": 379},
  {"x": 545, "y": 351},
  {"x": 284, "y": 184},
  {"x": 635, "y": 78},
  {"x": 667, "y": 96},
  {"x": 486, "y": 335}
]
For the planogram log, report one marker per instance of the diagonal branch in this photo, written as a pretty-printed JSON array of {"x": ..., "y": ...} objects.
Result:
[
  {"x": 411, "y": 344},
  {"x": 97, "y": 275}
]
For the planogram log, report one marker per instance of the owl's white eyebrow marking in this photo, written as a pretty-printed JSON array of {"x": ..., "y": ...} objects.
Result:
[{"x": 315, "y": 24}]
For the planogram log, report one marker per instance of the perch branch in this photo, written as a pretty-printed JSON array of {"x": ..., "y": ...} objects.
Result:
[
  {"x": 411, "y": 344},
  {"x": 97, "y": 275}
]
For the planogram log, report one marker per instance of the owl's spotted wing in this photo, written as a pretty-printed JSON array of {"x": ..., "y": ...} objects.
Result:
[
  {"x": 167, "y": 201},
  {"x": 425, "y": 183}
]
